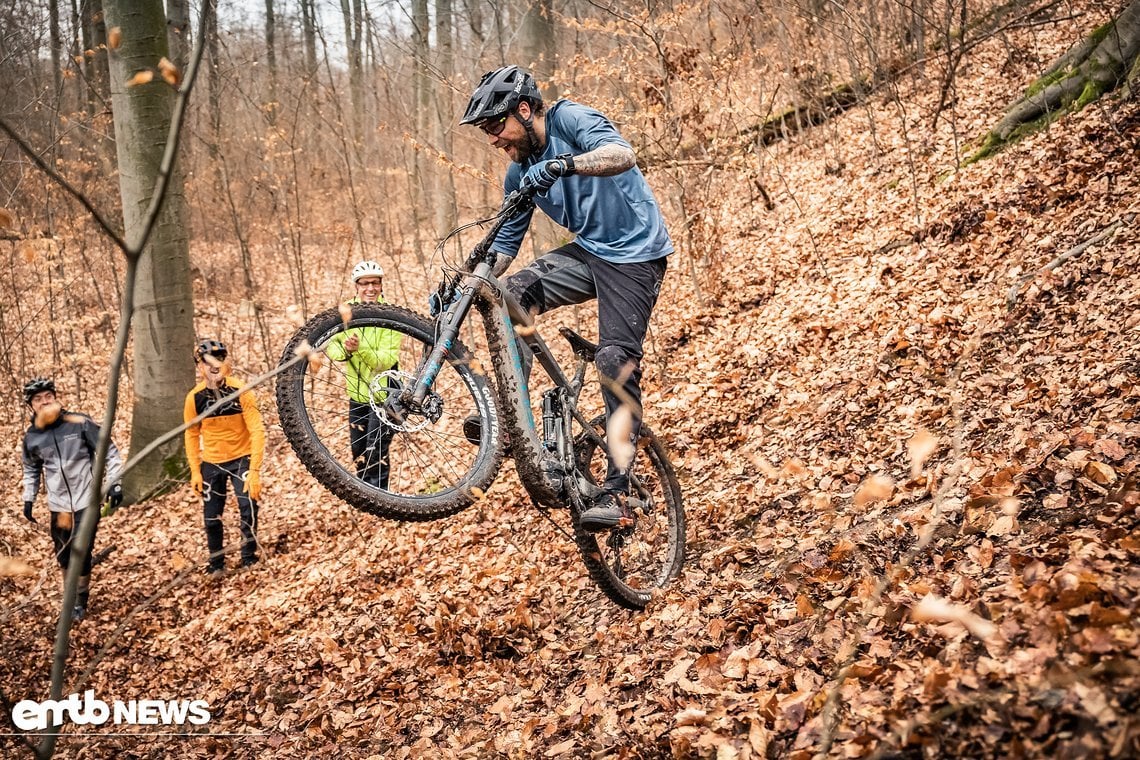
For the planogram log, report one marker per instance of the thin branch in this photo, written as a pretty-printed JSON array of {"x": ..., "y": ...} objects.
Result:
[
  {"x": 1077, "y": 250},
  {"x": 55, "y": 176}
]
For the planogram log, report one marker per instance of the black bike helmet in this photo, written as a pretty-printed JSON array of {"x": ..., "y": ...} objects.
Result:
[
  {"x": 37, "y": 385},
  {"x": 214, "y": 348},
  {"x": 499, "y": 93}
]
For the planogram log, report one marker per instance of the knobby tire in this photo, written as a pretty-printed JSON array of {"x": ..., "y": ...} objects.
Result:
[
  {"x": 654, "y": 549},
  {"x": 434, "y": 471}
]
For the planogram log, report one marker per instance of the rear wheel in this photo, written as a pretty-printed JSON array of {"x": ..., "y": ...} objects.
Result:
[
  {"x": 646, "y": 550},
  {"x": 432, "y": 470}
]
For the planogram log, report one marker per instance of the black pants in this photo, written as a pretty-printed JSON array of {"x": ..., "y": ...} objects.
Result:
[
  {"x": 214, "y": 479},
  {"x": 370, "y": 440},
  {"x": 626, "y": 296},
  {"x": 61, "y": 539}
]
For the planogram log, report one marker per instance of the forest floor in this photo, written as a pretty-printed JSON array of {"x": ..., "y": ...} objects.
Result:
[{"x": 908, "y": 442}]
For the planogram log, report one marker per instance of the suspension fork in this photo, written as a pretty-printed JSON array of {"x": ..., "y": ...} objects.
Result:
[{"x": 447, "y": 332}]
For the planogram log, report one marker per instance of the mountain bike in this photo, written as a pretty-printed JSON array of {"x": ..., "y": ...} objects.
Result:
[{"x": 453, "y": 425}]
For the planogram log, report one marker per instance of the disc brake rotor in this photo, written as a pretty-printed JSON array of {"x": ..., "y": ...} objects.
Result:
[{"x": 390, "y": 381}]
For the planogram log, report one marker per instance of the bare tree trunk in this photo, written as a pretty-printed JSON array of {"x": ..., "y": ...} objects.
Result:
[
  {"x": 271, "y": 59},
  {"x": 163, "y": 312},
  {"x": 421, "y": 107},
  {"x": 473, "y": 12},
  {"x": 444, "y": 200},
  {"x": 539, "y": 49},
  {"x": 56, "y": 50},
  {"x": 178, "y": 32},
  {"x": 95, "y": 67},
  {"x": 96, "y": 80},
  {"x": 213, "y": 81},
  {"x": 353, "y": 27},
  {"x": 309, "y": 36}
]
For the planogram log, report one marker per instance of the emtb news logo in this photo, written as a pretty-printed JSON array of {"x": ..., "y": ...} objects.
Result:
[{"x": 30, "y": 715}]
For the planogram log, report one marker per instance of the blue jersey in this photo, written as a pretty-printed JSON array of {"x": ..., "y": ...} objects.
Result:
[{"x": 615, "y": 218}]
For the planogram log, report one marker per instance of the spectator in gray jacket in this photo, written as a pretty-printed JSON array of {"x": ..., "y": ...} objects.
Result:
[{"x": 59, "y": 451}]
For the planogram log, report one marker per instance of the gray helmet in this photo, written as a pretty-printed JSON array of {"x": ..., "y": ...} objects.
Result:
[
  {"x": 214, "y": 348},
  {"x": 499, "y": 93},
  {"x": 37, "y": 385}
]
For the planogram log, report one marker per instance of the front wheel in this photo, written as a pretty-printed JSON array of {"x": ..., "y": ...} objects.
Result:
[
  {"x": 417, "y": 467},
  {"x": 647, "y": 549}
]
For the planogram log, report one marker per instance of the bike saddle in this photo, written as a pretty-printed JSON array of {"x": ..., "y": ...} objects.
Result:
[{"x": 582, "y": 347}]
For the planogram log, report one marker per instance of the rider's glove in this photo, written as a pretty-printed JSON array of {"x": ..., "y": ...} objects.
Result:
[
  {"x": 195, "y": 479},
  {"x": 28, "y": 511},
  {"x": 542, "y": 176},
  {"x": 253, "y": 484}
]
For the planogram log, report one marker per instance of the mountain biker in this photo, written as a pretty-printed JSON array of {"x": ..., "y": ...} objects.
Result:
[
  {"x": 228, "y": 445},
  {"x": 619, "y": 253},
  {"x": 59, "y": 449},
  {"x": 367, "y": 352}
]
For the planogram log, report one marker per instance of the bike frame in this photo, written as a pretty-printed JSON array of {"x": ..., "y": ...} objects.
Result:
[{"x": 543, "y": 465}]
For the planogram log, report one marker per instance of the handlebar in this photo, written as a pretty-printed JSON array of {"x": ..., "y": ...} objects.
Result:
[{"x": 518, "y": 202}]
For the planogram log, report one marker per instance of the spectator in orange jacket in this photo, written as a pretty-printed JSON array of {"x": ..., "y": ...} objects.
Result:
[{"x": 228, "y": 445}]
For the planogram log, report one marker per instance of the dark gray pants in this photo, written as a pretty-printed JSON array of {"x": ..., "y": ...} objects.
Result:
[
  {"x": 370, "y": 440},
  {"x": 214, "y": 480},
  {"x": 626, "y": 296}
]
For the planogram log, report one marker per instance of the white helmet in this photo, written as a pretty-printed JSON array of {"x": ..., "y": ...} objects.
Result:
[{"x": 367, "y": 269}]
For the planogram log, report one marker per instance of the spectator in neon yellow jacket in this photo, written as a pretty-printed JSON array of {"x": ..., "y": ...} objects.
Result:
[{"x": 366, "y": 353}]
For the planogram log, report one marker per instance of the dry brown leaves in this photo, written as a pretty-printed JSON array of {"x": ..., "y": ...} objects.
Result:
[{"x": 825, "y": 421}]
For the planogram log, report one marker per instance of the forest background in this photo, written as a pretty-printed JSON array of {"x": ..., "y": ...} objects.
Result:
[{"x": 895, "y": 360}]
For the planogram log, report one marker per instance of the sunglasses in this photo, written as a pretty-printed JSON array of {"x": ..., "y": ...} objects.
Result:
[{"x": 494, "y": 127}]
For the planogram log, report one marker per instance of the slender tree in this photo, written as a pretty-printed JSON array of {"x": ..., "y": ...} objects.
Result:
[
  {"x": 539, "y": 50},
  {"x": 445, "y": 205},
  {"x": 163, "y": 311},
  {"x": 271, "y": 58}
]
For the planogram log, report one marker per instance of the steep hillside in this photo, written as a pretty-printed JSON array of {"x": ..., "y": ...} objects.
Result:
[{"x": 903, "y": 404}]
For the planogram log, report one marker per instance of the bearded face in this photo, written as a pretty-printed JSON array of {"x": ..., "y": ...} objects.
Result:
[{"x": 46, "y": 408}]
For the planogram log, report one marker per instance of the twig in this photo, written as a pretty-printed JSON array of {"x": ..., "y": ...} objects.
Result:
[
  {"x": 1011, "y": 299},
  {"x": 133, "y": 253},
  {"x": 113, "y": 638}
]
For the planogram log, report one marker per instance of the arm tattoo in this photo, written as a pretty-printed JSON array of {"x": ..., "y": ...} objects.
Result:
[{"x": 605, "y": 161}]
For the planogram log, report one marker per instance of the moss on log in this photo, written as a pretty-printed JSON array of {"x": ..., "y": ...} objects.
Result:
[{"x": 1097, "y": 65}]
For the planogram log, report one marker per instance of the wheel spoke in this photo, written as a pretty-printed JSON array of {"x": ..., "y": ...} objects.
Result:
[{"x": 432, "y": 468}]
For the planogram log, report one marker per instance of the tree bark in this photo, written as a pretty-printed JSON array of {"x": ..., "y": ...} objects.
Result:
[
  {"x": 309, "y": 36},
  {"x": 271, "y": 59},
  {"x": 445, "y": 202},
  {"x": 95, "y": 67},
  {"x": 163, "y": 314},
  {"x": 178, "y": 32},
  {"x": 421, "y": 107},
  {"x": 353, "y": 29},
  {"x": 539, "y": 47},
  {"x": 56, "y": 51}
]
